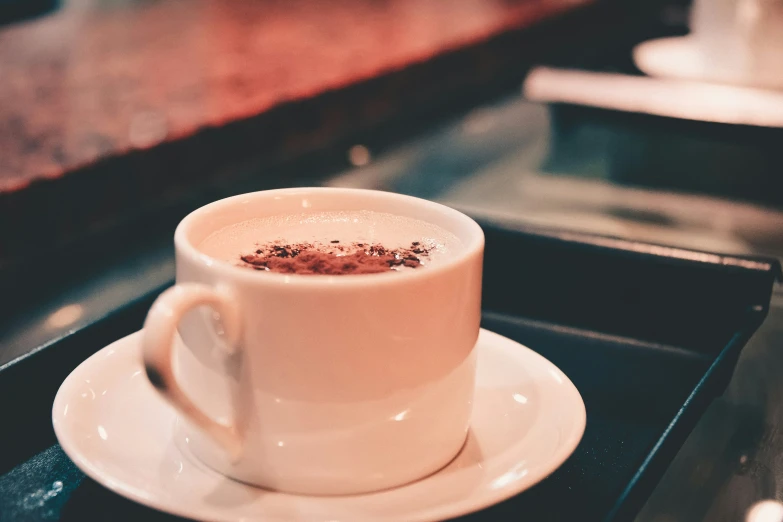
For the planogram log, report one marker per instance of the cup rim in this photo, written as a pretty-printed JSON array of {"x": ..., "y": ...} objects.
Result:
[{"x": 183, "y": 245}]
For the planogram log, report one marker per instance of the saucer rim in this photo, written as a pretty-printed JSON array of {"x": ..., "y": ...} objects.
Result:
[
  {"x": 439, "y": 512},
  {"x": 699, "y": 74}
]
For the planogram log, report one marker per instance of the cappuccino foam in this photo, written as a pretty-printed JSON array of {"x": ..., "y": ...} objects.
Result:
[{"x": 345, "y": 235}]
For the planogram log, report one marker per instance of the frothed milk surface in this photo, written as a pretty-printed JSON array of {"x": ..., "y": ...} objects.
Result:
[{"x": 340, "y": 234}]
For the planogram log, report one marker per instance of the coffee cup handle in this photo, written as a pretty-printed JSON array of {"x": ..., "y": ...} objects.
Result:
[{"x": 158, "y": 343}]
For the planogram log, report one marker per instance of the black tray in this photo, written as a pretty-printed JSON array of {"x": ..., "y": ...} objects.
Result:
[{"x": 649, "y": 335}]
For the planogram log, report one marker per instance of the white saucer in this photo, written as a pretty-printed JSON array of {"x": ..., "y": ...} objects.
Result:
[
  {"x": 528, "y": 418},
  {"x": 679, "y": 57}
]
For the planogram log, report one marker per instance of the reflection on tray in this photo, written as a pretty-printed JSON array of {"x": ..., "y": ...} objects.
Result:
[{"x": 520, "y": 162}]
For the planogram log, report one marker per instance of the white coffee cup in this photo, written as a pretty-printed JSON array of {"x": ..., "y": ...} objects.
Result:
[
  {"x": 319, "y": 384},
  {"x": 740, "y": 41}
]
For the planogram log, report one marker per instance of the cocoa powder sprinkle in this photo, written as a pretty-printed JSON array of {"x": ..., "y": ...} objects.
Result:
[{"x": 314, "y": 259}]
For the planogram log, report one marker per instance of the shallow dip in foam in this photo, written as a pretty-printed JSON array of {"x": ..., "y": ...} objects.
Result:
[{"x": 332, "y": 243}]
